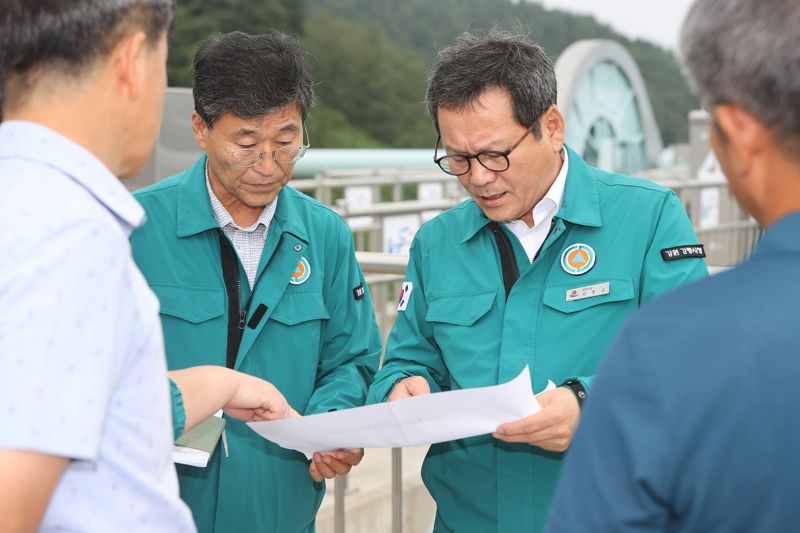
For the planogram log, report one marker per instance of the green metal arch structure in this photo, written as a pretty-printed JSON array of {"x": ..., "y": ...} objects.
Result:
[{"x": 609, "y": 118}]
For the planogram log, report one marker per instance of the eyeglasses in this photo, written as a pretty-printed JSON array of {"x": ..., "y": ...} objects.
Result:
[
  {"x": 460, "y": 164},
  {"x": 250, "y": 157}
]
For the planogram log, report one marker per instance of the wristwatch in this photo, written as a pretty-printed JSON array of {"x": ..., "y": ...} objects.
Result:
[{"x": 577, "y": 389}]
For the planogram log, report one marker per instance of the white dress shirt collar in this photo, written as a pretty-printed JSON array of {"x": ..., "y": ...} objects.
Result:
[
  {"x": 533, "y": 238},
  {"x": 548, "y": 206}
]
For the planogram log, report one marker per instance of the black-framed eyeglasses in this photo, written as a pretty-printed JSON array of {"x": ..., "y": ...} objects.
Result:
[
  {"x": 250, "y": 157},
  {"x": 460, "y": 164}
]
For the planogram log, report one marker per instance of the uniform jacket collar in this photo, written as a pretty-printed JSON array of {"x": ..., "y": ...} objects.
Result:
[
  {"x": 580, "y": 206},
  {"x": 286, "y": 214},
  {"x": 195, "y": 214}
]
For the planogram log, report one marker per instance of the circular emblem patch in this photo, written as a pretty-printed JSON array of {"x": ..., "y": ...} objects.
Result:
[
  {"x": 577, "y": 259},
  {"x": 301, "y": 273}
]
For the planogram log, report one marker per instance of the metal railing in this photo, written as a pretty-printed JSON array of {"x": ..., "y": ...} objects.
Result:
[
  {"x": 727, "y": 231},
  {"x": 330, "y": 185},
  {"x": 383, "y": 273}
]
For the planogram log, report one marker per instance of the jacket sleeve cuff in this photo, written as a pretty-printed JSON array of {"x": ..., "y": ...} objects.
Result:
[
  {"x": 586, "y": 381},
  {"x": 178, "y": 412}
]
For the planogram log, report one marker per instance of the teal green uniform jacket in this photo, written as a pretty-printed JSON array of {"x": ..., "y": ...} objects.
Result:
[
  {"x": 459, "y": 331},
  {"x": 317, "y": 342}
]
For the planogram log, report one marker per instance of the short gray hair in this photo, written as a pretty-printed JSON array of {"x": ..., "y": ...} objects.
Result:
[
  {"x": 475, "y": 63},
  {"x": 250, "y": 76},
  {"x": 747, "y": 53},
  {"x": 73, "y": 32},
  {"x": 68, "y": 35}
]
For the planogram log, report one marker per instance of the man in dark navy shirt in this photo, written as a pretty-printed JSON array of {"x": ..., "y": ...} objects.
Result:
[{"x": 693, "y": 421}]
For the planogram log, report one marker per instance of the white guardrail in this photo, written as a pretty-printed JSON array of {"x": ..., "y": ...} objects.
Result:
[{"x": 385, "y": 207}]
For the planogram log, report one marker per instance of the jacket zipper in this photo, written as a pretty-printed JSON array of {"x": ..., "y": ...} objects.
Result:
[
  {"x": 242, "y": 311},
  {"x": 516, "y": 268},
  {"x": 552, "y": 225},
  {"x": 233, "y": 287}
]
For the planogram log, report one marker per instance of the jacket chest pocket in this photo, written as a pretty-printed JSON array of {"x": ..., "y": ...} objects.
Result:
[
  {"x": 461, "y": 326},
  {"x": 295, "y": 327},
  {"x": 297, "y": 307},
  {"x": 194, "y": 324},
  {"x": 580, "y": 330},
  {"x": 192, "y": 304}
]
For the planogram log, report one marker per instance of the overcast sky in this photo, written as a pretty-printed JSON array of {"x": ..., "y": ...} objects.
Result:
[{"x": 655, "y": 20}]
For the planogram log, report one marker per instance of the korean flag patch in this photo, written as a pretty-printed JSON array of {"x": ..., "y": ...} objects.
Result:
[{"x": 405, "y": 295}]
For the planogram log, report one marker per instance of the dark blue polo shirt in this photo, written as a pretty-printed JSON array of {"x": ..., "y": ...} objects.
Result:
[{"x": 693, "y": 422}]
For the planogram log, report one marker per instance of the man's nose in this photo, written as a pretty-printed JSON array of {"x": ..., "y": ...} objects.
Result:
[
  {"x": 267, "y": 163},
  {"x": 479, "y": 175}
]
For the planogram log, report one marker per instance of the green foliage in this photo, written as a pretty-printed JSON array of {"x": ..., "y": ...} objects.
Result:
[
  {"x": 376, "y": 86},
  {"x": 672, "y": 98},
  {"x": 197, "y": 20},
  {"x": 369, "y": 57},
  {"x": 329, "y": 128}
]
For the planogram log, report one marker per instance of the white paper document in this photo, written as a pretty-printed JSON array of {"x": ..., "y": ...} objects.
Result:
[{"x": 429, "y": 419}]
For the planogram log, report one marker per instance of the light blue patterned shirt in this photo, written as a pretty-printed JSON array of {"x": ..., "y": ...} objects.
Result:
[{"x": 82, "y": 367}]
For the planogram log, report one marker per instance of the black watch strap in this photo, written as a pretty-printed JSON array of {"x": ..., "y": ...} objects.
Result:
[{"x": 577, "y": 389}]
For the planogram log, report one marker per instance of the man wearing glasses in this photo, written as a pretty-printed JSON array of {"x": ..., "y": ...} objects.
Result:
[
  {"x": 539, "y": 268},
  {"x": 256, "y": 276}
]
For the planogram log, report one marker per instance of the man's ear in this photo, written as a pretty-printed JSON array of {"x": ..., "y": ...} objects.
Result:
[
  {"x": 552, "y": 124},
  {"x": 200, "y": 130},
  {"x": 128, "y": 65},
  {"x": 746, "y": 137}
]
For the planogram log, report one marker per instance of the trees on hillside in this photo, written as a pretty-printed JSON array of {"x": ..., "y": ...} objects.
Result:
[
  {"x": 378, "y": 87},
  {"x": 425, "y": 27},
  {"x": 369, "y": 57},
  {"x": 196, "y": 20}
]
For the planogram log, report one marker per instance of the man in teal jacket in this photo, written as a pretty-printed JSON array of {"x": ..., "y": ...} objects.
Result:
[
  {"x": 258, "y": 277},
  {"x": 539, "y": 268}
]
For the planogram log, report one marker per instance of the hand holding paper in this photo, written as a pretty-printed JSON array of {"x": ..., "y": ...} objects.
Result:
[
  {"x": 551, "y": 428},
  {"x": 328, "y": 465},
  {"x": 414, "y": 421}
]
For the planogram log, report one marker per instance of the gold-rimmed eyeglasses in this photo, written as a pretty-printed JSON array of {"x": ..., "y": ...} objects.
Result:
[{"x": 250, "y": 157}]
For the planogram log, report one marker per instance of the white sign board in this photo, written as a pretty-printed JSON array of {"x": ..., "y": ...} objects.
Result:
[
  {"x": 430, "y": 192},
  {"x": 355, "y": 197},
  {"x": 398, "y": 232},
  {"x": 709, "y": 207}
]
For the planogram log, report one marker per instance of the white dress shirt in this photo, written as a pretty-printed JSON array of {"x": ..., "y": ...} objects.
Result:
[
  {"x": 533, "y": 238},
  {"x": 82, "y": 365}
]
